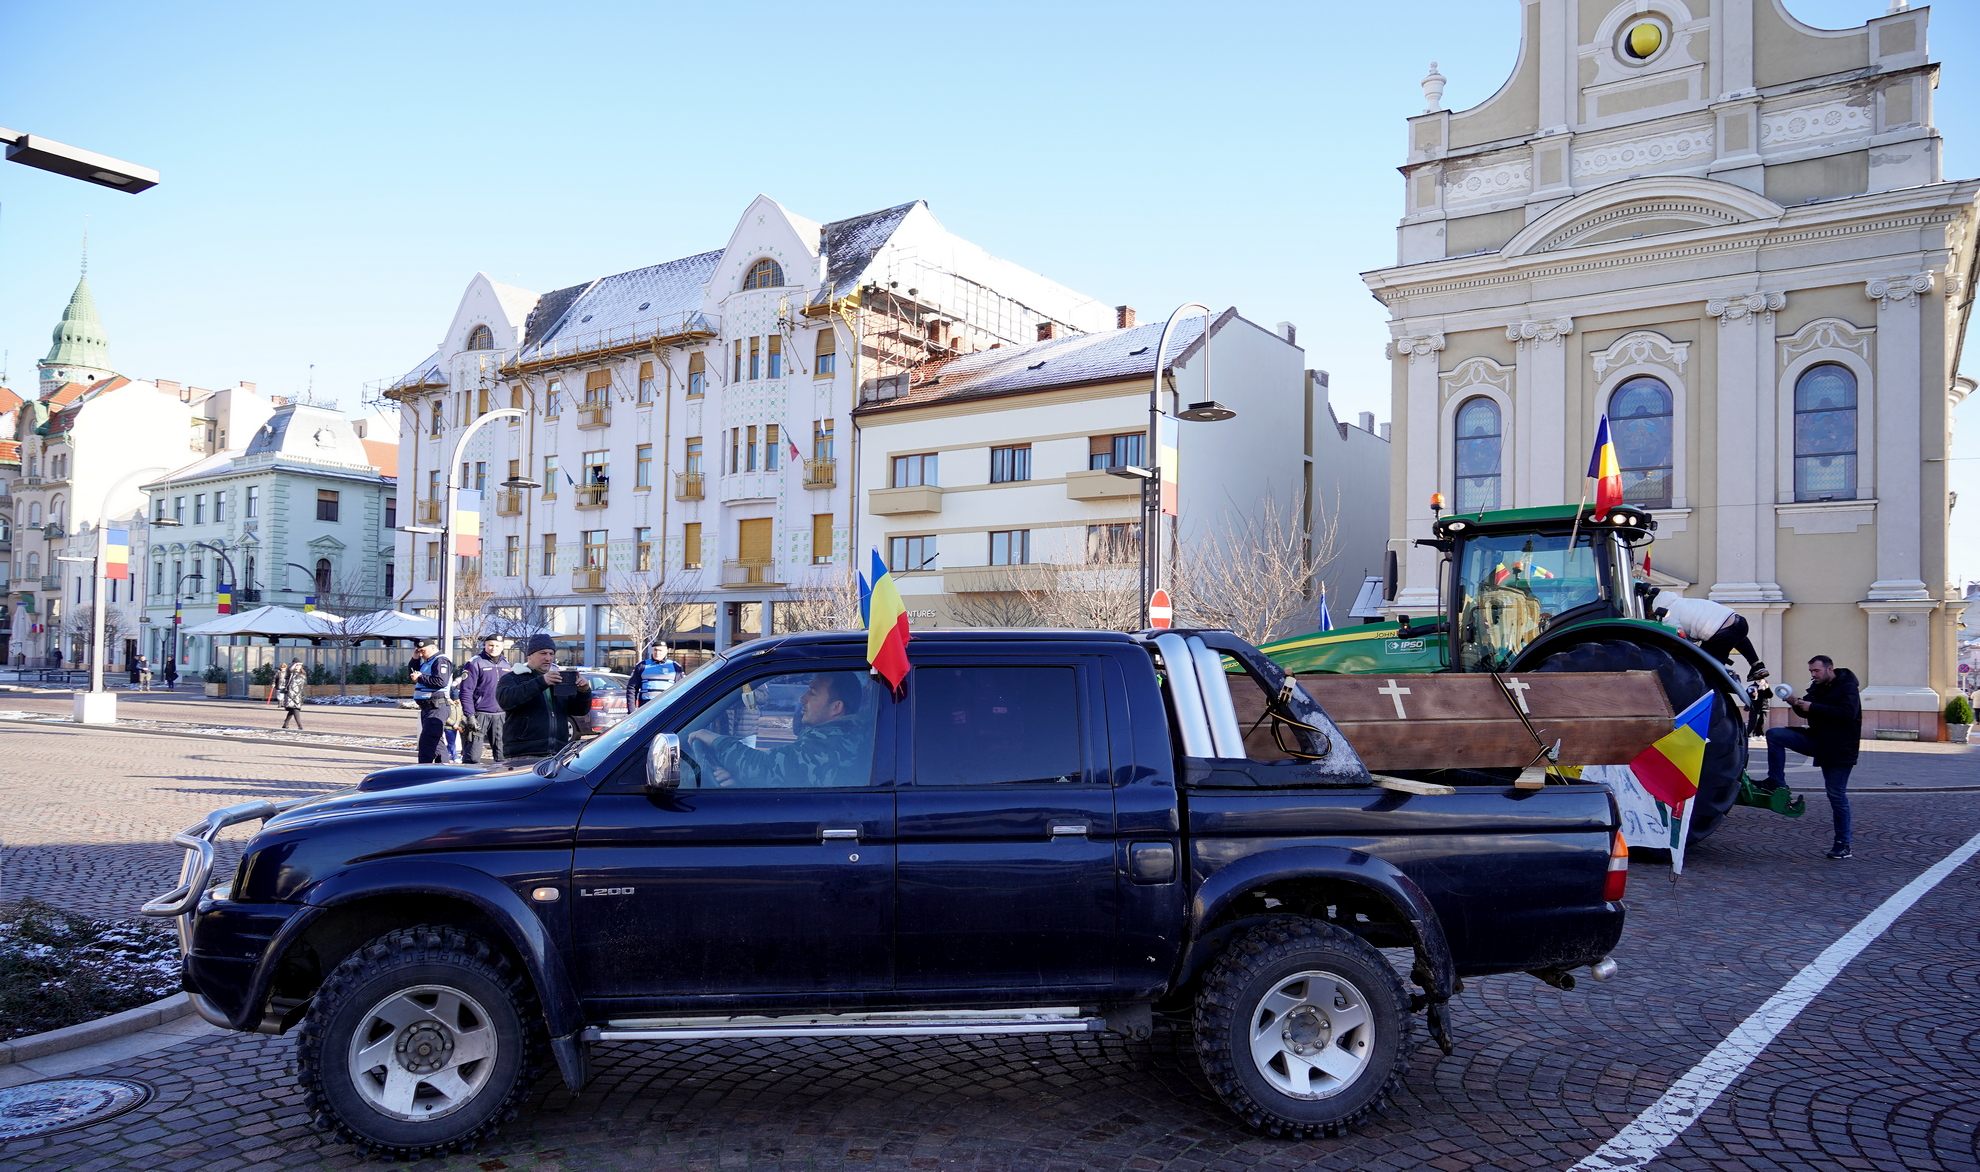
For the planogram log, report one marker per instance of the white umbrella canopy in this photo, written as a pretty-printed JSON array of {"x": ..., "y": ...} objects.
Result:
[
  {"x": 391, "y": 624},
  {"x": 271, "y": 620}
]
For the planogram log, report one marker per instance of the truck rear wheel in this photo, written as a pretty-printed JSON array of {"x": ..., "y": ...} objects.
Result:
[
  {"x": 1725, "y": 752},
  {"x": 1302, "y": 1028},
  {"x": 421, "y": 1042}
]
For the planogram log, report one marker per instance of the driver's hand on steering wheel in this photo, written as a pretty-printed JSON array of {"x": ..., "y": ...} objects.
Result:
[{"x": 701, "y": 736}]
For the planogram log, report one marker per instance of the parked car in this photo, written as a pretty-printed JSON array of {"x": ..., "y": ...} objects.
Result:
[
  {"x": 1024, "y": 841},
  {"x": 608, "y": 698}
]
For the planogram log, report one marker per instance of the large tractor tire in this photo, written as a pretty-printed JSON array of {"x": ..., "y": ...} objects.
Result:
[{"x": 1725, "y": 754}]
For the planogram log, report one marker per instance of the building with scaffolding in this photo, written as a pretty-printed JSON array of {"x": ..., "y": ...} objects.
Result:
[{"x": 688, "y": 424}]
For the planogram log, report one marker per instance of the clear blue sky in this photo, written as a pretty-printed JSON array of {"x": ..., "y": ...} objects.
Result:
[{"x": 330, "y": 185}]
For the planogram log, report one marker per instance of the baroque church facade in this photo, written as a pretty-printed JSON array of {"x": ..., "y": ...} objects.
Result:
[{"x": 1729, "y": 232}]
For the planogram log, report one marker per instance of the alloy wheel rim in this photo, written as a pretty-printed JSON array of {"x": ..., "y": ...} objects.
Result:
[
  {"x": 1312, "y": 1036},
  {"x": 422, "y": 1053}
]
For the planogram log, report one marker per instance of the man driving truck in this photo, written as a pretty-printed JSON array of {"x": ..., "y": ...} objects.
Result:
[{"x": 826, "y": 749}]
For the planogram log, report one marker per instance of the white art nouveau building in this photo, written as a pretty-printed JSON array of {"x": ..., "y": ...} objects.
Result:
[
  {"x": 689, "y": 423},
  {"x": 1729, "y": 232}
]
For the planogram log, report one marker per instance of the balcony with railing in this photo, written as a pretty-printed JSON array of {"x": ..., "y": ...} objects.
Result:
[
  {"x": 430, "y": 510},
  {"x": 821, "y": 473},
  {"x": 51, "y": 581},
  {"x": 741, "y": 572},
  {"x": 690, "y": 486},
  {"x": 588, "y": 581},
  {"x": 594, "y": 415},
  {"x": 591, "y": 496},
  {"x": 509, "y": 503}
]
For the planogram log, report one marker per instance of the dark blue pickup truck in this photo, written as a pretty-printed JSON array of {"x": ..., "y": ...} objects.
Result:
[{"x": 1047, "y": 832}]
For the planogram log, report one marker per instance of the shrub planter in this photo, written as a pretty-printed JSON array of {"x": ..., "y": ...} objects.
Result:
[
  {"x": 216, "y": 689},
  {"x": 1956, "y": 733}
]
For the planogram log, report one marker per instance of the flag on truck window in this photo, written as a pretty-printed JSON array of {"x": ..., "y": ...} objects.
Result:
[
  {"x": 1605, "y": 471},
  {"x": 886, "y": 625}
]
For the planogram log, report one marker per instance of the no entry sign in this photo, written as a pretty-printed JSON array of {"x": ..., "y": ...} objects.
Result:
[{"x": 1160, "y": 614}]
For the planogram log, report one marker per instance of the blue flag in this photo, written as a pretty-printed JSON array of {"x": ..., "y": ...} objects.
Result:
[{"x": 1326, "y": 619}]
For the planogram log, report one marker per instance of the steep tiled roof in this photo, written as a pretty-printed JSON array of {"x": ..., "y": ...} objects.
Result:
[
  {"x": 657, "y": 292},
  {"x": 69, "y": 398},
  {"x": 849, "y": 244},
  {"x": 8, "y": 399},
  {"x": 10, "y": 452},
  {"x": 1081, "y": 359}
]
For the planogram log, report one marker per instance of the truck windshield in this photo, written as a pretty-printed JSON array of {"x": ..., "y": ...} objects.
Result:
[
  {"x": 600, "y": 747},
  {"x": 1512, "y": 585}
]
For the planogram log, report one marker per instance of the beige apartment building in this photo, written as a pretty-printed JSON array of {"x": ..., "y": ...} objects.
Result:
[{"x": 1729, "y": 232}]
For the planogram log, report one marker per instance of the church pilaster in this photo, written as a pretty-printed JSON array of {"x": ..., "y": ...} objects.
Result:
[
  {"x": 1746, "y": 448},
  {"x": 1418, "y": 593},
  {"x": 1540, "y": 409}
]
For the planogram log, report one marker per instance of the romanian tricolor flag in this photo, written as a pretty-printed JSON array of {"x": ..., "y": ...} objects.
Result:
[
  {"x": 223, "y": 599},
  {"x": 117, "y": 554},
  {"x": 467, "y": 523},
  {"x": 1604, "y": 471},
  {"x": 1669, "y": 769},
  {"x": 886, "y": 626}
]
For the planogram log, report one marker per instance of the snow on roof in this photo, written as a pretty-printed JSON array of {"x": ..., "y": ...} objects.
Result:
[
  {"x": 663, "y": 291},
  {"x": 849, "y": 245},
  {"x": 1081, "y": 358}
]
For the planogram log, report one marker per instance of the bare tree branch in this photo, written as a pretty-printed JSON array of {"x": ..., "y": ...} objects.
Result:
[
  {"x": 1255, "y": 573},
  {"x": 833, "y": 606},
  {"x": 648, "y": 610}
]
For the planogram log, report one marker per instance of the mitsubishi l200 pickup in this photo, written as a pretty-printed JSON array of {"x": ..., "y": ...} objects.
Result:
[{"x": 1045, "y": 831}]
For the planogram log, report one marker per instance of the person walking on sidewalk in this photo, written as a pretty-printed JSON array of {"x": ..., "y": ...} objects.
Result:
[
  {"x": 143, "y": 674},
  {"x": 481, "y": 716},
  {"x": 1834, "y": 710},
  {"x": 432, "y": 674},
  {"x": 290, "y": 689},
  {"x": 171, "y": 672}
]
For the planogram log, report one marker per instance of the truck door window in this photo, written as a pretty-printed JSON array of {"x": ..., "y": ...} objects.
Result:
[
  {"x": 799, "y": 730},
  {"x": 985, "y": 725}
]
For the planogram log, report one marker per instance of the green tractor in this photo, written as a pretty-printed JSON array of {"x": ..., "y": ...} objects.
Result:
[{"x": 1531, "y": 590}]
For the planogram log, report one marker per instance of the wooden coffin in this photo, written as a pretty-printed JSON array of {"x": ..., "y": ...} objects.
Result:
[{"x": 1467, "y": 722}]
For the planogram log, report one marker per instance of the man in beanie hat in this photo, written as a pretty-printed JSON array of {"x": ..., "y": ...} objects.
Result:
[
  {"x": 432, "y": 676},
  {"x": 536, "y": 719}
]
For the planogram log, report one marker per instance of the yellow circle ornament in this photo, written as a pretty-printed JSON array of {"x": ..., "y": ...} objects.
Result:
[{"x": 1644, "y": 40}]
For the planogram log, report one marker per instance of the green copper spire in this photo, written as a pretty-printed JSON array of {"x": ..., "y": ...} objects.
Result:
[{"x": 78, "y": 338}]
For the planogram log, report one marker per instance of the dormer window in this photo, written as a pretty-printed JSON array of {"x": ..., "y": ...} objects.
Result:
[
  {"x": 764, "y": 274},
  {"x": 481, "y": 338}
]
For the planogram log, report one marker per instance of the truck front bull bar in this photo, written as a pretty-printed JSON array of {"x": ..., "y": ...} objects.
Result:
[{"x": 197, "y": 868}]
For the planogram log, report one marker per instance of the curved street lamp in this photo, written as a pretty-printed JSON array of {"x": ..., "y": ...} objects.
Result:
[{"x": 1208, "y": 411}]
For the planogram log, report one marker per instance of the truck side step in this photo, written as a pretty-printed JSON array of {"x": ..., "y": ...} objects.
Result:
[{"x": 833, "y": 1025}]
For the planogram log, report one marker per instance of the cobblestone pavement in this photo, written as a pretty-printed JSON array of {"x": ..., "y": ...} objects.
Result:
[
  {"x": 374, "y": 720},
  {"x": 1878, "y": 1073}
]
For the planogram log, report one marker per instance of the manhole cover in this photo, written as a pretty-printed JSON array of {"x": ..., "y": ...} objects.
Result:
[{"x": 38, "y": 1108}]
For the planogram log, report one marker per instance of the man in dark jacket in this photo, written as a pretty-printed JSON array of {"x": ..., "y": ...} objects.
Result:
[
  {"x": 432, "y": 674},
  {"x": 481, "y": 716},
  {"x": 1834, "y": 711},
  {"x": 537, "y": 720}
]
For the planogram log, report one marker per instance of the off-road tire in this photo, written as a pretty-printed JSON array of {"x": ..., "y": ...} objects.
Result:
[
  {"x": 1725, "y": 751},
  {"x": 1249, "y": 969},
  {"x": 406, "y": 959}
]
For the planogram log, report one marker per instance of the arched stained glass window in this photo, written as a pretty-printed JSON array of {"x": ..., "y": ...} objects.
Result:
[
  {"x": 1825, "y": 434},
  {"x": 1479, "y": 444},
  {"x": 764, "y": 274},
  {"x": 481, "y": 338},
  {"x": 1640, "y": 422}
]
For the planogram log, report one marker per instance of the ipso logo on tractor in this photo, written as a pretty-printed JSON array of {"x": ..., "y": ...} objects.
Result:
[{"x": 1401, "y": 646}]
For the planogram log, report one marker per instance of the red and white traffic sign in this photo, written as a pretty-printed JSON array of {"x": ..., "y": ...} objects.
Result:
[{"x": 1161, "y": 615}]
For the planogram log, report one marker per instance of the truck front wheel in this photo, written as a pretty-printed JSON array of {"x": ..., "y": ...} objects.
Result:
[
  {"x": 420, "y": 1042},
  {"x": 1302, "y": 1028}
]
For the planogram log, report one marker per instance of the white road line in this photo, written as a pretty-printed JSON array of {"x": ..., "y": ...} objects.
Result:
[{"x": 1692, "y": 1095}]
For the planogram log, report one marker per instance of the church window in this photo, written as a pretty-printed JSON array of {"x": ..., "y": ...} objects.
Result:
[
  {"x": 1825, "y": 434},
  {"x": 481, "y": 338},
  {"x": 1640, "y": 417},
  {"x": 764, "y": 274},
  {"x": 1479, "y": 445}
]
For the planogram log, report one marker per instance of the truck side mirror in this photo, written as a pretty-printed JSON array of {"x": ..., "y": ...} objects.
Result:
[{"x": 663, "y": 762}]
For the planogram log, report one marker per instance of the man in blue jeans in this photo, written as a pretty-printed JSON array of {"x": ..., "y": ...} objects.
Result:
[{"x": 1834, "y": 712}]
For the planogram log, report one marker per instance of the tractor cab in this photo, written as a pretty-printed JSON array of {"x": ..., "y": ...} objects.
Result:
[{"x": 1515, "y": 575}]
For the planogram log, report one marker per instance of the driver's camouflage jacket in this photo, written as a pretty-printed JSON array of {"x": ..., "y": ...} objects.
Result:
[{"x": 822, "y": 755}]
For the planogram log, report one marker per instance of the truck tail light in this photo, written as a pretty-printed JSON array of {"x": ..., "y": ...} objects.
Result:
[{"x": 1618, "y": 878}]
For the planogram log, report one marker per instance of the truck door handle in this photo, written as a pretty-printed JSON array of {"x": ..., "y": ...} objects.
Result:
[
  {"x": 828, "y": 833},
  {"x": 1065, "y": 829}
]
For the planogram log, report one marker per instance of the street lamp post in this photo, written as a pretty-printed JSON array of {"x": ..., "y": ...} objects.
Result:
[
  {"x": 447, "y": 525},
  {"x": 46, "y": 154},
  {"x": 1150, "y": 474}
]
